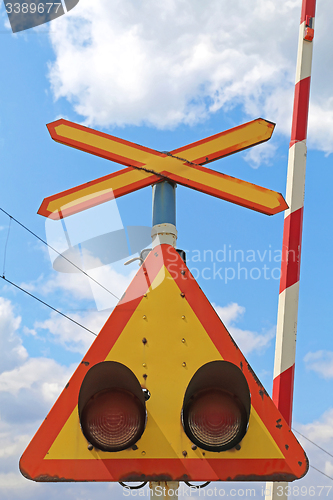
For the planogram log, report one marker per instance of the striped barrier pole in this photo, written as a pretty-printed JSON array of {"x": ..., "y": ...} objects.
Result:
[{"x": 285, "y": 349}]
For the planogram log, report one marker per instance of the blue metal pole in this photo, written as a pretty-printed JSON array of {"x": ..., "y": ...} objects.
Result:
[{"x": 164, "y": 203}]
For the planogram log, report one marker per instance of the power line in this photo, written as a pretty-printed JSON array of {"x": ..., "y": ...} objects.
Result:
[
  {"x": 48, "y": 305},
  {"x": 322, "y": 449},
  {"x": 323, "y": 473},
  {"x": 45, "y": 243},
  {"x": 5, "y": 252}
]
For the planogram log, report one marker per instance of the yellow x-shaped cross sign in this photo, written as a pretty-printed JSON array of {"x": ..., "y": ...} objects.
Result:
[{"x": 146, "y": 166}]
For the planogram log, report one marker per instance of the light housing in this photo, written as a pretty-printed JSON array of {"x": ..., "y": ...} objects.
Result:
[
  {"x": 216, "y": 407},
  {"x": 111, "y": 407}
]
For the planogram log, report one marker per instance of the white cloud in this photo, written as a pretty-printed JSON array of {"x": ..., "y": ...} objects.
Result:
[
  {"x": 76, "y": 284},
  {"x": 108, "y": 285},
  {"x": 26, "y": 395},
  {"x": 70, "y": 335},
  {"x": 170, "y": 63},
  {"x": 113, "y": 280},
  {"x": 11, "y": 445},
  {"x": 230, "y": 313},
  {"x": 321, "y": 124},
  {"x": 41, "y": 375},
  {"x": 320, "y": 362},
  {"x": 247, "y": 340},
  {"x": 12, "y": 350},
  {"x": 179, "y": 61},
  {"x": 12, "y": 481},
  {"x": 320, "y": 433},
  {"x": 105, "y": 284},
  {"x": 27, "y": 392},
  {"x": 329, "y": 468},
  {"x": 24, "y": 379},
  {"x": 261, "y": 154},
  {"x": 28, "y": 389}
]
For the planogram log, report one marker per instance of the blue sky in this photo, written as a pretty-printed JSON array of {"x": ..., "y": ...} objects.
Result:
[{"x": 161, "y": 76}]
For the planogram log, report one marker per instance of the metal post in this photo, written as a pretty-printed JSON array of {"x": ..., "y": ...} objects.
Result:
[
  {"x": 164, "y": 214},
  {"x": 164, "y": 489},
  {"x": 164, "y": 231},
  {"x": 285, "y": 349}
]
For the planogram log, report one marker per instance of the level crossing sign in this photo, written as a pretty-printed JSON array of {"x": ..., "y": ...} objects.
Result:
[
  {"x": 164, "y": 393},
  {"x": 145, "y": 166}
]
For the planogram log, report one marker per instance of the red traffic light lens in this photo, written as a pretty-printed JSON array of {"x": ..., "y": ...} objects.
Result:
[
  {"x": 216, "y": 407},
  {"x": 113, "y": 420},
  {"x": 215, "y": 420}
]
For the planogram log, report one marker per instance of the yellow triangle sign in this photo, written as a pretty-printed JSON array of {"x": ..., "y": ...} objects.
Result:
[{"x": 164, "y": 329}]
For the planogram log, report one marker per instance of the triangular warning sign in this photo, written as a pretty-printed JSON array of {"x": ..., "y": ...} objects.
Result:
[{"x": 164, "y": 329}]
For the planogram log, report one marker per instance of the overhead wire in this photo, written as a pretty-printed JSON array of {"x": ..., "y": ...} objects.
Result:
[
  {"x": 321, "y": 472},
  {"x": 48, "y": 305},
  {"x": 322, "y": 449},
  {"x": 6, "y": 244},
  {"x": 52, "y": 248}
]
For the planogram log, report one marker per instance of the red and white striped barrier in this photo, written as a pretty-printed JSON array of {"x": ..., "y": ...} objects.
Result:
[{"x": 285, "y": 349}]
